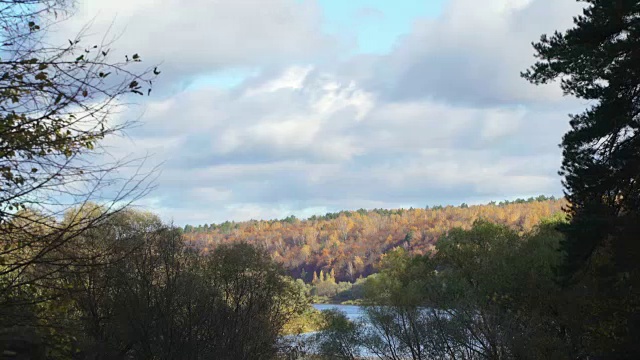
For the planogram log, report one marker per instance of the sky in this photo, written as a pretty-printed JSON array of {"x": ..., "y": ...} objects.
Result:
[{"x": 267, "y": 108}]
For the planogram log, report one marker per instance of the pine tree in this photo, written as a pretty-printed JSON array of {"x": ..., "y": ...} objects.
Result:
[{"x": 599, "y": 61}]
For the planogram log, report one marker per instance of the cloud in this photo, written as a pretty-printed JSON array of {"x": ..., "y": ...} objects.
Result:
[
  {"x": 472, "y": 54},
  {"x": 197, "y": 37},
  {"x": 314, "y": 141},
  {"x": 443, "y": 118}
]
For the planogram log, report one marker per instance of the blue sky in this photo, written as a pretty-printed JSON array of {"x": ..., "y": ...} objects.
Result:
[
  {"x": 368, "y": 26},
  {"x": 276, "y": 107},
  {"x": 375, "y": 25}
]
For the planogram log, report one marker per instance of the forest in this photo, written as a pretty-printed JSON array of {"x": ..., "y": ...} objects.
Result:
[
  {"x": 349, "y": 244},
  {"x": 487, "y": 293},
  {"x": 85, "y": 275}
]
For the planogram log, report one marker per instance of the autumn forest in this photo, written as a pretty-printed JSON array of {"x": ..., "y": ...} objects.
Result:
[
  {"x": 91, "y": 268},
  {"x": 351, "y": 243}
]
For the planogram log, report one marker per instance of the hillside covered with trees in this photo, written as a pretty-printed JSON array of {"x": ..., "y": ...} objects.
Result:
[
  {"x": 349, "y": 244},
  {"x": 83, "y": 276}
]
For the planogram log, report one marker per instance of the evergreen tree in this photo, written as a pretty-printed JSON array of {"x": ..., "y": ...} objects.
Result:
[
  {"x": 409, "y": 238},
  {"x": 599, "y": 61}
]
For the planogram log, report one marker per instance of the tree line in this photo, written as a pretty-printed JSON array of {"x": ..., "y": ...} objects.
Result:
[
  {"x": 487, "y": 292},
  {"x": 134, "y": 289},
  {"x": 231, "y": 225},
  {"x": 350, "y": 244},
  {"x": 565, "y": 290},
  {"x": 82, "y": 276}
]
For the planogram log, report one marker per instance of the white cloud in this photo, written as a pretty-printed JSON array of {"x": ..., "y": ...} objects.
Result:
[
  {"x": 284, "y": 153},
  {"x": 202, "y": 36},
  {"x": 472, "y": 54},
  {"x": 292, "y": 79},
  {"x": 501, "y": 123},
  {"x": 444, "y": 118}
]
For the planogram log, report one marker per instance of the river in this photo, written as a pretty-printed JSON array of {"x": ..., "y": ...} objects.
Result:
[{"x": 353, "y": 312}]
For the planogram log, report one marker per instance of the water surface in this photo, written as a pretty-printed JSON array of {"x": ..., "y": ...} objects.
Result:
[{"x": 353, "y": 312}]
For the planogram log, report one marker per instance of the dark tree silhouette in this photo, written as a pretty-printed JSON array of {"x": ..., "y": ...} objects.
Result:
[{"x": 599, "y": 60}]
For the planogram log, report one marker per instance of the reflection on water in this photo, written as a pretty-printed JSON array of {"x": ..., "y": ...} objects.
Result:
[{"x": 306, "y": 342}]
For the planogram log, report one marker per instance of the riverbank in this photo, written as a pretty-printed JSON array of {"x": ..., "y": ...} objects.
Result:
[{"x": 311, "y": 320}]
